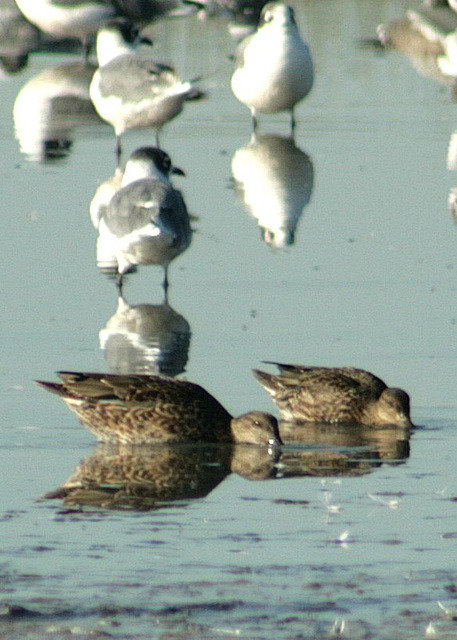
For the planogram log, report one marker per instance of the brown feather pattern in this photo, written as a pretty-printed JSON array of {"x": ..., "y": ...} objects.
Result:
[
  {"x": 344, "y": 394},
  {"x": 134, "y": 409}
]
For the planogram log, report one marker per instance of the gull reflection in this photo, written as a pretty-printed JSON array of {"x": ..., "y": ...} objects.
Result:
[
  {"x": 274, "y": 180},
  {"x": 451, "y": 163},
  {"x": 140, "y": 217},
  {"x": 142, "y": 478},
  {"x": 61, "y": 102},
  {"x": 146, "y": 338}
]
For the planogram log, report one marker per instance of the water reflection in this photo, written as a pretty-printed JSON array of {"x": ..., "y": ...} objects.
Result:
[
  {"x": 150, "y": 477},
  {"x": 451, "y": 164},
  {"x": 341, "y": 450},
  {"x": 426, "y": 36},
  {"x": 61, "y": 103},
  {"x": 274, "y": 181},
  {"x": 146, "y": 338},
  {"x": 140, "y": 217}
]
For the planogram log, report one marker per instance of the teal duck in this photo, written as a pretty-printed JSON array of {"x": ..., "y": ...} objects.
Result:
[
  {"x": 348, "y": 395},
  {"x": 147, "y": 409}
]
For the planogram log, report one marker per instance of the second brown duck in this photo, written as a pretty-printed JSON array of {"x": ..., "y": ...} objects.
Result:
[{"x": 342, "y": 394}]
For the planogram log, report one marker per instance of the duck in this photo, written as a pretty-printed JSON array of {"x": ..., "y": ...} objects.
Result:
[
  {"x": 335, "y": 395},
  {"x": 146, "y": 221},
  {"x": 150, "y": 409},
  {"x": 273, "y": 66},
  {"x": 133, "y": 91}
]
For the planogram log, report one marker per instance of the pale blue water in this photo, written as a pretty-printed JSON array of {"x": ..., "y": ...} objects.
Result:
[{"x": 370, "y": 282}]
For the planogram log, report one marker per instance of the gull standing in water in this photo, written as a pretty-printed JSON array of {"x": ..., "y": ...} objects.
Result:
[
  {"x": 132, "y": 91},
  {"x": 68, "y": 18},
  {"x": 146, "y": 221},
  {"x": 274, "y": 69}
]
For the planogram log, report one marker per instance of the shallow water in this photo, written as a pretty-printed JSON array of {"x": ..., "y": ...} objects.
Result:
[{"x": 346, "y": 535}]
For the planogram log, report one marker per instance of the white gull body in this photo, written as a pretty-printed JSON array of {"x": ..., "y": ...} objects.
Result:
[
  {"x": 67, "y": 18},
  {"x": 132, "y": 91},
  {"x": 274, "y": 68},
  {"x": 146, "y": 221}
]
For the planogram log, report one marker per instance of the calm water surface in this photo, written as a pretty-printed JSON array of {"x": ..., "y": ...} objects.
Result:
[{"x": 347, "y": 535}]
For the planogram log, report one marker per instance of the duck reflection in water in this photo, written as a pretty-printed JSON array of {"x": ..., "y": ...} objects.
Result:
[
  {"x": 340, "y": 450},
  {"x": 146, "y": 338},
  {"x": 61, "y": 103},
  {"x": 274, "y": 180},
  {"x": 146, "y": 221},
  {"x": 150, "y": 477}
]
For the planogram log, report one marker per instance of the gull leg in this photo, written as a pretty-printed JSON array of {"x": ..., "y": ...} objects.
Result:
[
  {"x": 165, "y": 283},
  {"x": 254, "y": 120},
  {"x": 120, "y": 283},
  {"x": 293, "y": 122},
  {"x": 118, "y": 150}
]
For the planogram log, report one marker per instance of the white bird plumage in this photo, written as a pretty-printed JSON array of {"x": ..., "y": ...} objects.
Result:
[
  {"x": 70, "y": 18},
  {"x": 146, "y": 221},
  {"x": 132, "y": 91},
  {"x": 274, "y": 68}
]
